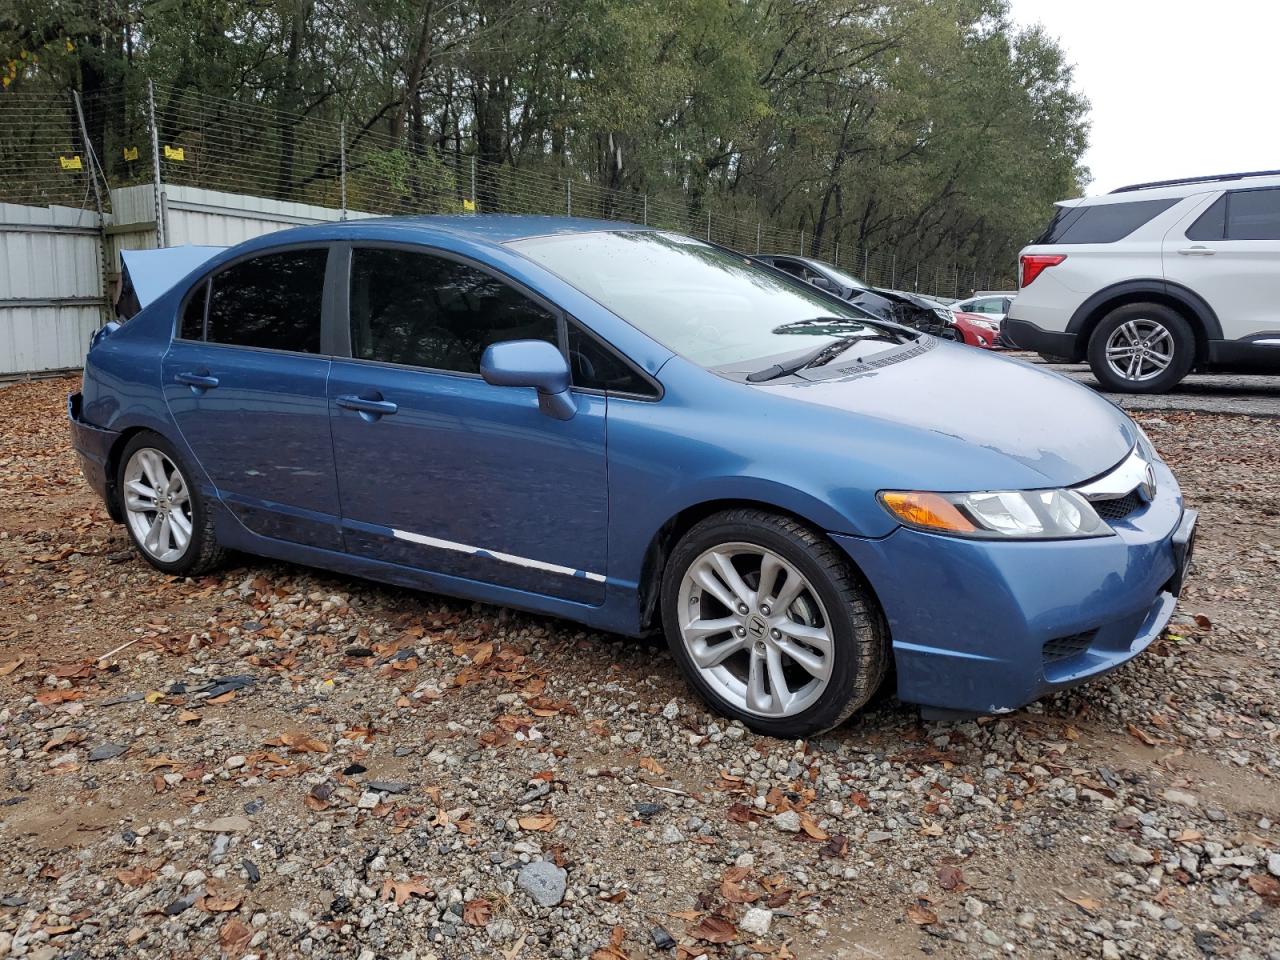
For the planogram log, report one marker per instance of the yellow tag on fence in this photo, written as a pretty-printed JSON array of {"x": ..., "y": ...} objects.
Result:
[
  {"x": 131, "y": 153},
  {"x": 174, "y": 153},
  {"x": 71, "y": 163},
  {"x": 468, "y": 206}
]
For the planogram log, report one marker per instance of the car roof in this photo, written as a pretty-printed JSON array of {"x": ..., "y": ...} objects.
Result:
[
  {"x": 493, "y": 228},
  {"x": 1178, "y": 189}
]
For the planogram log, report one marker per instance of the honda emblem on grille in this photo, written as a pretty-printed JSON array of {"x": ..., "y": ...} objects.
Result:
[{"x": 1147, "y": 489}]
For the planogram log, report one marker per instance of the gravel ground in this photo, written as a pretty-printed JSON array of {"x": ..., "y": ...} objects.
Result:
[
  {"x": 289, "y": 763},
  {"x": 1250, "y": 395}
]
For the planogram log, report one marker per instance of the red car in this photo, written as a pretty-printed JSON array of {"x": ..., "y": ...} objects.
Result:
[{"x": 977, "y": 330}]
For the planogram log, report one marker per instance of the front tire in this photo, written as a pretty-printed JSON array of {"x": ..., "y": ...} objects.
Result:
[
  {"x": 770, "y": 624},
  {"x": 164, "y": 511},
  {"x": 1141, "y": 348}
]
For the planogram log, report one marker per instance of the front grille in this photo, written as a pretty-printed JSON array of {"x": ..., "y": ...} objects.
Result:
[
  {"x": 1064, "y": 648},
  {"x": 1118, "y": 508}
]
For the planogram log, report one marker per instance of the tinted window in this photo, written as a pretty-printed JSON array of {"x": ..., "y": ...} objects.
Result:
[
  {"x": 1254, "y": 215},
  {"x": 597, "y": 367},
  {"x": 425, "y": 311},
  {"x": 1101, "y": 222},
  {"x": 193, "y": 315},
  {"x": 1212, "y": 224},
  {"x": 790, "y": 266},
  {"x": 272, "y": 302}
]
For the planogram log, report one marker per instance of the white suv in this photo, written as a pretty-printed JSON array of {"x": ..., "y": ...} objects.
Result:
[{"x": 1152, "y": 281}]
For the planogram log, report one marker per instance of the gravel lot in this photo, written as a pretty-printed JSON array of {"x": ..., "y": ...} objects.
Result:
[
  {"x": 288, "y": 763},
  {"x": 1248, "y": 395}
]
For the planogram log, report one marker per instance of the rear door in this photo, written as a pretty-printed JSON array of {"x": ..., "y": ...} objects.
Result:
[
  {"x": 245, "y": 382},
  {"x": 1228, "y": 251},
  {"x": 442, "y": 471}
]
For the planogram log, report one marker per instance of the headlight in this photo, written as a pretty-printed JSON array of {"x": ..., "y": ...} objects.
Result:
[
  {"x": 1145, "y": 446},
  {"x": 999, "y": 514}
]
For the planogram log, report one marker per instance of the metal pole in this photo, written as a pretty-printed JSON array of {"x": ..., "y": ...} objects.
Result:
[
  {"x": 866, "y": 265},
  {"x": 568, "y": 198},
  {"x": 835, "y": 257},
  {"x": 802, "y": 243},
  {"x": 893, "y": 271},
  {"x": 645, "y": 218},
  {"x": 708, "y": 226},
  {"x": 757, "y": 237},
  {"x": 342, "y": 166},
  {"x": 161, "y": 240},
  {"x": 93, "y": 168},
  {"x": 474, "y": 201},
  {"x": 917, "y": 278}
]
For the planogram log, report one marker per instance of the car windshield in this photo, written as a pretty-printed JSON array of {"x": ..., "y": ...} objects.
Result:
[{"x": 707, "y": 304}]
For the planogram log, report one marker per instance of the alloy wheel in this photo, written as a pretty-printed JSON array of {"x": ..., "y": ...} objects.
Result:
[
  {"x": 1139, "y": 350},
  {"x": 157, "y": 505},
  {"x": 756, "y": 630}
]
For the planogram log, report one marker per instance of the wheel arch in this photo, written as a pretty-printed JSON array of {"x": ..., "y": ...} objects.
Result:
[
  {"x": 1186, "y": 302},
  {"x": 657, "y": 552},
  {"x": 126, "y": 433}
]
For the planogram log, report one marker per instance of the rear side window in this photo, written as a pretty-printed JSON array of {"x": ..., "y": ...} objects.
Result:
[
  {"x": 422, "y": 310},
  {"x": 1254, "y": 214},
  {"x": 193, "y": 314},
  {"x": 1101, "y": 222},
  {"x": 271, "y": 302},
  {"x": 597, "y": 367},
  {"x": 1212, "y": 224}
]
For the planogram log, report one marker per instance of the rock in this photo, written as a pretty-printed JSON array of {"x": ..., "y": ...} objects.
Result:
[
  {"x": 221, "y": 846},
  {"x": 671, "y": 710},
  {"x": 662, "y": 939},
  {"x": 235, "y": 762},
  {"x": 368, "y": 800},
  {"x": 647, "y": 811},
  {"x": 1182, "y": 798},
  {"x": 756, "y": 921},
  {"x": 878, "y": 836},
  {"x": 543, "y": 881},
  {"x": 1110, "y": 951},
  {"x": 107, "y": 751},
  {"x": 1131, "y": 853},
  {"x": 788, "y": 821},
  {"x": 671, "y": 835},
  {"x": 388, "y": 786},
  {"x": 1273, "y": 864},
  {"x": 226, "y": 825}
]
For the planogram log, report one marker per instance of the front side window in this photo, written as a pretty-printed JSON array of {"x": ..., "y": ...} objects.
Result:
[
  {"x": 1254, "y": 214},
  {"x": 271, "y": 302},
  {"x": 193, "y": 313},
  {"x": 712, "y": 306},
  {"x": 597, "y": 367},
  {"x": 422, "y": 310}
]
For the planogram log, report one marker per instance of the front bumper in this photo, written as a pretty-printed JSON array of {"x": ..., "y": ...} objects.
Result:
[
  {"x": 93, "y": 447},
  {"x": 983, "y": 626}
]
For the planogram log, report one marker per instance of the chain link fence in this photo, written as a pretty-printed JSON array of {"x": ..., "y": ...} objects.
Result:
[{"x": 167, "y": 135}]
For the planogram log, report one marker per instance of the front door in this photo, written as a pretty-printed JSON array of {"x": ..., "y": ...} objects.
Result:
[
  {"x": 247, "y": 389},
  {"x": 441, "y": 471},
  {"x": 1228, "y": 251}
]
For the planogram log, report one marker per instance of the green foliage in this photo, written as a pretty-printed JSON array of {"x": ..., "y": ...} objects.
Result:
[{"x": 933, "y": 127}]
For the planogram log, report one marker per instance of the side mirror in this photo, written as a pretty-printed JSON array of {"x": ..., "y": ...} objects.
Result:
[
  {"x": 531, "y": 363},
  {"x": 822, "y": 283}
]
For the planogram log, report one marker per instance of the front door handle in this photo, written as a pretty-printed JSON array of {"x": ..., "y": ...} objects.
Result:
[
  {"x": 1196, "y": 252},
  {"x": 371, "y": 408},
  {"x": 198, "y": 382}
]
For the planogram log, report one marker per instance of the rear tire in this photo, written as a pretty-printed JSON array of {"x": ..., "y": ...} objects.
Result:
[
  {"x": 165, "y": 513},
  {"x": 1142, "y": 348},
  {"x": 791, "y": 672}
]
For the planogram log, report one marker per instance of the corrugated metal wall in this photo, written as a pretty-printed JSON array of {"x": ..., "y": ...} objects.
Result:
[
  {"x": 51, "y": 287},
  {"x": 51, "y": 260}
]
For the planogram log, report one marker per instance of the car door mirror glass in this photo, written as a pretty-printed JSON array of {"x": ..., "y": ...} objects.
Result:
[
  {"x": 531, "y": 363},
  {"x": 822, "y": 283}
]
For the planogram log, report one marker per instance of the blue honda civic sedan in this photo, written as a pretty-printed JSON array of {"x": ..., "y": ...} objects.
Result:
[{"x": 640, "y": 431}]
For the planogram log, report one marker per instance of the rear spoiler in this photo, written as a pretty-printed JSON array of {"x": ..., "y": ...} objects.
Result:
[{"x": 146, "y": 275}]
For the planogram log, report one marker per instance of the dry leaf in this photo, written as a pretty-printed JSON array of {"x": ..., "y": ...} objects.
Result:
[
  {"x": 11, "y": 666},
  {"x": 1268, "y": 888},
  {"x": 652, "y": 765},
  {"x": 613, "y": 949},
  {"x": 951, "y": 878},
  {"x": 188, "y": 716},
  {"x": 402, "y": 890},
  {"x": 931, "y": 828},
  {"x": 155, "y": 763},
  {"x": 477, "y": 912},
  {"x": 223, "y": 697},
  {"x": 234, "y": 937},
  {"x": 713, "y": 930},
  {"x": 220, "y": 902},
  {"x": 731, "y": 886},
  {"x": 537, "y": 821},
  {"x": 1083, "y": 901},
  {"x": 1142, "y": 735},
  {"x": 810, "y": 827},
  {"x": 919, "y": 912},
  {"x": 1189, "y": 836},
  {"x": 300, "y": 742},
  {"x": 135, "y": 877}
]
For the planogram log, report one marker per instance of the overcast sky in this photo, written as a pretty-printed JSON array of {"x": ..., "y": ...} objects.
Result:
[{"x": 1177, "y": 88}]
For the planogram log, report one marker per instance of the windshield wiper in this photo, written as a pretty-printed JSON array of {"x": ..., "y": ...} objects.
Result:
[
  {"x": 819, "y": 322},
  {"x": 814, "y": 358}
]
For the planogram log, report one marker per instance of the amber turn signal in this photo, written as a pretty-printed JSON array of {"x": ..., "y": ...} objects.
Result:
[{"x": 929, "y": 511}]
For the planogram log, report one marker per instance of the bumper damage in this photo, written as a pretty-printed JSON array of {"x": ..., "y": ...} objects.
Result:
[{"x": 93, "y": 447}]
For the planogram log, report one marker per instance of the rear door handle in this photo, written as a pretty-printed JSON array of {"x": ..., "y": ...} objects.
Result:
[
  {"x": 1196, "y": 252},
  {"x": 370, "y": 408},
  {"x": 197, "y": 381}
]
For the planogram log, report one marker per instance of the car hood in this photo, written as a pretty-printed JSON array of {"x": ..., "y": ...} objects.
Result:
[{"x": 1050, "y": 425}]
